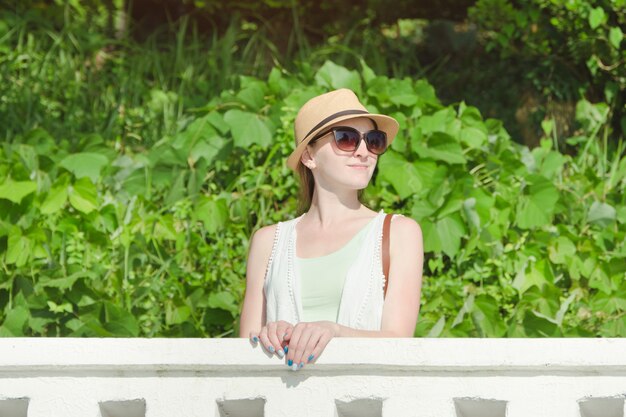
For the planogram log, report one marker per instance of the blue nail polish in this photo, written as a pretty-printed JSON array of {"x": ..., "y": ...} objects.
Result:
[
  {"x": 271, "y": 348},
  {"x": 310, "y": 358},
  {"x": 301, "y": 364},
  {"x": 289, "y": 362},
  {"x": 286, "y": 349},
  {"x": 255, "y": 339}
]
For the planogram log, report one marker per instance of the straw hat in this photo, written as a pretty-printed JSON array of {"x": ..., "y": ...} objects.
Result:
[{"x": 324, "y": 110}]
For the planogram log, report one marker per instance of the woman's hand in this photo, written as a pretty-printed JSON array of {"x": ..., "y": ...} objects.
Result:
[
  {"x": 272, "y": 336},
  {"x": 308, "y": 340}
]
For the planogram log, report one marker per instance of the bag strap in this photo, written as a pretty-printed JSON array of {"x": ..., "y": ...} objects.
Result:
[{"x": 386, "y": 232}]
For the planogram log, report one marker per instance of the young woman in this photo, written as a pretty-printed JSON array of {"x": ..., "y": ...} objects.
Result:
[{"x": 320, "y": 275}]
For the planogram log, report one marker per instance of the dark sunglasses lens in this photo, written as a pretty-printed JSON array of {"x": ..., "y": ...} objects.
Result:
[
  {"x": 376, "y": 141},
  {"x": 347, "y": 140}
]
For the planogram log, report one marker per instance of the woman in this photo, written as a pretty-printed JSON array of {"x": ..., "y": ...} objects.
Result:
[{"x": 320, "y": 275}]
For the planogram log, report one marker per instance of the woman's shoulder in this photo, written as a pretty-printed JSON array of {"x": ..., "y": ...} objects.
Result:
[
  {"x": 264, "y": 236},
  {"x": 404, "y": 229}
]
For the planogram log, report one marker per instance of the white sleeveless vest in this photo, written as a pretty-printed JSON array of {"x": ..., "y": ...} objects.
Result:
[{"x": 362, "y": 298}]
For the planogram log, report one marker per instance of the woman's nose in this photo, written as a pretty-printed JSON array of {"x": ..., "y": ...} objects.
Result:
[{"x": 361, "y": 150}]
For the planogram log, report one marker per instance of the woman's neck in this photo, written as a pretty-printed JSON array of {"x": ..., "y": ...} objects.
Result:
[{"x": 329, "y": 211}]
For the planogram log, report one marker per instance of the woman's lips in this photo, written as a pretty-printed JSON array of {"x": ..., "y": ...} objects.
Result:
[{"x": 361, "y": 167}]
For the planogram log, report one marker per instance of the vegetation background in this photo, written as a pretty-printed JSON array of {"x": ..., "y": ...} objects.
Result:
[{"x": 143, "y": 142}]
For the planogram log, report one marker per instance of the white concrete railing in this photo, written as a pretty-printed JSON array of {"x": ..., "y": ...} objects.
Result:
[{"x": 68, "y": 377}]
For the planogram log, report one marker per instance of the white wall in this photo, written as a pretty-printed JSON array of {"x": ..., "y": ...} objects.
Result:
[{"x": 67, "y": 377}]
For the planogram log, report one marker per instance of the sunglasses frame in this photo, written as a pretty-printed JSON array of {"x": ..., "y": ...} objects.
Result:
[{"x": 362, "y": 136}]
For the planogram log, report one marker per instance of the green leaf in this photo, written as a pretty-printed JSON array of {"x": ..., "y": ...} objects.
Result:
[
  {"x": 538, "y": 276},
  {"x": 177, "y": 314},
  {"x": 15, "y": 191},
  {"x": 333, "y": 76},
  {"x": 601, "y": 213},
  {"x": 223, "y": 300},
  {"x": 437, "y": 122},
  {"x": 207, "y": 148},
  {"x": 15, "y": 321},
  {"x": 537, "y": 208},
  {"x": 213, "y": 213},
  {"x": 473, "y": 137},
  {"x": 451, "y": 229},
  {"x": 248, "y": 129},
  {"x": 468, "y": 306},
  {"x": 558, "y": 319},
  {"x": 55, "y": 200},
  {"x": 616, "y": 36},
  {"x": 547, "y": 125},
  {"x": 441, "y": 147},
  {"x": 599, "y": 278},
  {"x": 85, "y": 164},
  {"x": 119, "y": 321},
  {"x": 614, "y": 328},
  {"x": 200, "y": 129},
  {"x": 367, "y": 73},
  {"x": 561, "y": 251},
  {"x": 469, "y": 209},
  {"x": 552, "y": 163},
  {"x": 536, "y": 326},
  {"x": 253, "y": 96},
  {"x": 401, "y": 92},
  {"x": 217, "y": 120},
  {"x": 443, "y": 235},
  {"x": 59, "y": 309},
  {"x": 436, "y": 330},
  {"x": 621, "y": 215},
  {"x": 591, "y": 115},
  {"x": 487, "y": 318},
  {"x": 400, "y": 173},
  {"x": 19, "y": 247},
  {"x": 84, "y": 196},
  {"x": 596, "y": 17},
  {"x": 63, "y": 283},
  {"x": 609, "y": 303}
]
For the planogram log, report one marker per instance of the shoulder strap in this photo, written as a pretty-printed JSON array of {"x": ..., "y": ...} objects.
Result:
[{"x": 386, "y": 232}]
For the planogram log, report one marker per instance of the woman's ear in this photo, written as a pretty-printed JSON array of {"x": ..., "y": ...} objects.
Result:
[{"x": 307, "y": 160}]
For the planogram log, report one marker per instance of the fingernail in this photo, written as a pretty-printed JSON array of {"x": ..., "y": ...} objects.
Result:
[
  {"x": 310, "y": 358},
  {"x": 289, "y": 362},
  {"x": 280, "y": 353},
  {"x": 301, "y": 364},
  {"x": 286, "y": 349},
  {"x": 271, "y": 348},
  {"x": 255, "y": 339},
  {"x": 294, "y": 367}
]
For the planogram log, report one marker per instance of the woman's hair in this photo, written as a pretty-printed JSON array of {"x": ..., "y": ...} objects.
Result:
[{"x": 307, "y": 186}]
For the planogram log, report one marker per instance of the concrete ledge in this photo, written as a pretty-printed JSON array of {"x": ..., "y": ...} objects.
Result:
[
  {"x": 210, "y": 354},
  {"x": 70, "y": 377}
]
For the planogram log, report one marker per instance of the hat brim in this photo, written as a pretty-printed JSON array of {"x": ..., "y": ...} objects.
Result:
[{"x": 387, "y": 124}]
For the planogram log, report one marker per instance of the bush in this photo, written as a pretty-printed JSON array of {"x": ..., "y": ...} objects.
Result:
[
  {"x": 102, "y": 240},
  {"x": 569, "y": 49}
]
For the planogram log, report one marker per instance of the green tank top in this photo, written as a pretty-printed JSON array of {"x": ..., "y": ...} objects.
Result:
[{"x": 322, "y": 279}]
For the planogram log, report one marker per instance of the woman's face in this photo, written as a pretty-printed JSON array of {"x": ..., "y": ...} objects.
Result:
[{"x": 330, "y": 165}]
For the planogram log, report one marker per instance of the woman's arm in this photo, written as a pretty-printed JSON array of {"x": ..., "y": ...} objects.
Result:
[
  {"x": 404, "y": 286},
  {"x": 402, "y": 301},
  {"x": 253, "y": 311}
]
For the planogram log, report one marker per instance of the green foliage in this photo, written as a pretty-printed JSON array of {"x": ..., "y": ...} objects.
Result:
[
  {"x": 102, "y": 240},
  {"x": 571, "y": 48},
  {"x": 132, "y": 175}
]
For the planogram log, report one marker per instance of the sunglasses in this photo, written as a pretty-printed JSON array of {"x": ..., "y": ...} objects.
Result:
[{"x": 348, "y": 139}]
